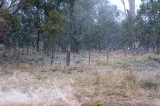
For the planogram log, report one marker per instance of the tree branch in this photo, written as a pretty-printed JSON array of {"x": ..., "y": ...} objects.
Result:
[
  {"x": 12, "y": 4},
  {"x": 1, "y": 3},
  {"x": 19, "y": 5}
]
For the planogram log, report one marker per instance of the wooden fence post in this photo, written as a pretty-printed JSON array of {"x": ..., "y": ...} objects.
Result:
[
  {"x": 107, "y": 55},
  {"x": 89, "y": 56},
  {"x": 52, "y": 56},
  {"x": 68, "y": 58}
]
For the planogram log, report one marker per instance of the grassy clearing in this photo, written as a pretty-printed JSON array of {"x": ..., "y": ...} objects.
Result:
[
  {"x": 103, "y": 84},
  {"x": 119, "y": 86},
  {"x": 146, "y": 59},
  {"x": 94, "y": 86},
  {"x": 128, "y": 62}
]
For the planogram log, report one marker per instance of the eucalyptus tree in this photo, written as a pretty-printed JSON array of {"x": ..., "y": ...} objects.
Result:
[
  {"x": 148, "y": 22},
  {"x": 79, "y": 16},
  {"x": 8, "y": 18},
  {"x": 128, "y": 35},
  {"x": 66, "y": 23},
  {"x": 85, "y": 17},
  {"x": 107, "y": 23}
]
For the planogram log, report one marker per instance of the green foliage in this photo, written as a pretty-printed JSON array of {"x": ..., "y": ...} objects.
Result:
[
  {"x": 6, "y": 15},
  {"x": 95, "y": 103},
  {"x": 126, "y": 33},
  {"x": 86, "y": 24},
  {"x": 148, "y": 24},
  {"x": 12, "y": 20},
  {"x": 55, "y": 23},
  {"x": 104, "y": 32},
  {"x": 70, "y": 1},
  {"x": 15, "y": 23},
  {"x": 33, "y": 2}
]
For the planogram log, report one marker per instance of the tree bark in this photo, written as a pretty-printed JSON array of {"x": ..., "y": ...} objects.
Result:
[
  {"x": 52, "y": 56},
  {"x": 38, "y": 40},
  {"x": 132, "y": 7}
]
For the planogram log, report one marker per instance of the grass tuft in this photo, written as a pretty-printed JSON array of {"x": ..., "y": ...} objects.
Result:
[
  {"x": 149, "y": 85},
  {"x": 119, "y": 64}
]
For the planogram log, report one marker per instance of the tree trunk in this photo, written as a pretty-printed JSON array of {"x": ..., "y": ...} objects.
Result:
[
  {"x": 107, "y": 55},
  {"x": 157, "y": 44},
  {"x": 38, "y": 40},
  {"x": 74, "y": 45},
  {"x": 89, "y": 59},
  {"x": 52, "y": 56},
  {"x": 132, "y": 8},
  {"x": 132, "y": 16},
  {"x": 68, "y": 58},
  {"x": 125, "y": 52}
]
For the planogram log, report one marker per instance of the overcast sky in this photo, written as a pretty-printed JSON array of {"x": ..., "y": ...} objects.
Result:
[{"x": 120, "y": 6}]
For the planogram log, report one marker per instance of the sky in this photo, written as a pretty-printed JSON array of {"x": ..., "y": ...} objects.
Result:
[{"x": 120, "y": 6}]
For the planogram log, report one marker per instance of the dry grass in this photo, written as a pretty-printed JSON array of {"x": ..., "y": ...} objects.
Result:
[
  {"x": 76, "y": 85},
  {"x": 100, "y": 84},
  {"x": 114, "y": 88}
]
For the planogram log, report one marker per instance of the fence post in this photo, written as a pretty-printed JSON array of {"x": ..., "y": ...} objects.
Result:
[
  {"x": 68, "y": 58},
  {"x": 89, "y": 56}
]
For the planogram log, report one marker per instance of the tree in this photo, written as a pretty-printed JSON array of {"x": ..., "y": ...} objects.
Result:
[
  {"x": 128, "y": 36},
  {"x": 107, "y": 25},
  {"x": 149, "y": 23},
  {"x": 8, "y": 19},
  {"x": 74, "y": 24}
]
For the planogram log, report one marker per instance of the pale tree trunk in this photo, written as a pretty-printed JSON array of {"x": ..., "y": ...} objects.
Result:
[
  {"x": 132, "y": 8},
  {"x": 132, "y": 15},
  {"x": 125, "y": 10},
  {"x": 124, "y": 7}
]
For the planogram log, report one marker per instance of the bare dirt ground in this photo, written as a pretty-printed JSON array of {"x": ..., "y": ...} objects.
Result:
[{"x": 30, "y": 80}]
